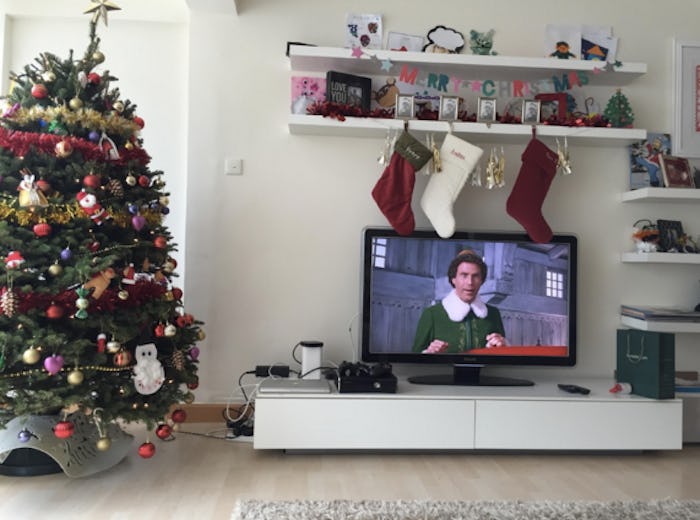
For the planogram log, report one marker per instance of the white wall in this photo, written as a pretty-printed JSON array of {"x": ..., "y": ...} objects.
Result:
[{"x": 273, "y": 255}]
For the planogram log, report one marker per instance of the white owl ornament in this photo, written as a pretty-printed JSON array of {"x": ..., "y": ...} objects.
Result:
[{"x": 148, "y": 372}]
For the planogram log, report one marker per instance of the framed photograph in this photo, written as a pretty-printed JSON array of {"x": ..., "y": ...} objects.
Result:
[
  {"x": 670, "y": 233},
  {"x": 449, "y": 108},
  {"x": 553, "y": 104},
  {"x": 686, "y": 99},
  {"x": 486, "y": 110},
  {"x": 348, "y": 89},
  {"x": 676, "y": 172},
  {"x": 531, "y": 112},
  {"x": 405, "y": 107}
]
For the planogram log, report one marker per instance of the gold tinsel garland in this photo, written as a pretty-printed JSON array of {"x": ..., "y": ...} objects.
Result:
[
  {"x": 64, "y": 213},
  {"x": 96, "y": 368},
  {"x": 86, "y": 117}
]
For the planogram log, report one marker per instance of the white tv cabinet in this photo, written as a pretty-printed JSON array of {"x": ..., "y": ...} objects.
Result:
[{"x": 420, "y": 417}]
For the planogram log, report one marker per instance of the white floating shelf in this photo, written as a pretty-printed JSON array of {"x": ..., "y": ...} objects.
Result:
[
  {"x": 304, "y": 58},
  {"x": 662, "y": 258},
  {"x": 660, "y": 326},
  {"x": 662, "y": 195},
  {"x": 476, "y": 132}
]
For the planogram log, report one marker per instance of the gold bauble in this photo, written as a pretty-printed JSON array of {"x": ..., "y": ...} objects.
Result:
[
  {"x": 76, "y": 103},
  {"x": 131, "y": 180},
  {"x": 129, "y": 145},
  {"x": 48, "y": 76},
  {"x": 55, "y": 269},
  {"x": 123, "y": 295},
  {"x": 113, "y": 346},
  {"x": 118, "y": 107},
  {"x": 201, "y": 335},
  {"x": 75, "y": 377},
  {"x": 103, "y": 443},
  {"x": 164, "y": 201},
  {"x": 31, "y": 356},
  {"x": 98, "y": 56},
  {"x": 189, "y": 398},
  {"x": 170, "y": 330}
]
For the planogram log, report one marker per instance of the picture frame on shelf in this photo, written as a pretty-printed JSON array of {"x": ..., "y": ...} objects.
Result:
[
  {"x": 449, "y": 108},
  {"x": 348, "y": 89},
  {"x": 531, "y": 112},
  {"x": 405, "y": 107},
  {"x": 397, "y": 41},
  {"x": 686, "y": 98},
  {"x": 552, "y": 104},
  {"x": 677, "y": 172},
  {"x": 486, "y": 110},
  {"x": 670, "y": 233}
]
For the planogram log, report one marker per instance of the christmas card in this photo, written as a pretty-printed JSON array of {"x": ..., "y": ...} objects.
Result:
[
  {"x": 363, "y": 30},
  {"x": 645, "y": 160},
  {"x": 306, "y": 91}
]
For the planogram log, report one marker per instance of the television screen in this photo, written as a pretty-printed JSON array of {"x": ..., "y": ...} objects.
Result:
[{"x": 475, "y": 299}]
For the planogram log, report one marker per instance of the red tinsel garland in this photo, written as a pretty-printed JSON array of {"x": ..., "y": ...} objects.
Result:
[
  {"x": 139, "y": 294},
  {"x": 19, "y": 143}
]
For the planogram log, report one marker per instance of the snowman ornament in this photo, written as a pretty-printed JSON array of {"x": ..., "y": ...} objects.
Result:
[{"x": 148, "y": 372}]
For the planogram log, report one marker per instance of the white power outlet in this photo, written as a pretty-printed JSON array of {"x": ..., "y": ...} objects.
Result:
[{"x": 233, "y": 166}]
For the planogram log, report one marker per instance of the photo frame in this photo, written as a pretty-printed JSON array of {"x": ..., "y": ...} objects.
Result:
[
  {"x": 405, "y": 107},
  {"x": 486, "y": 110},
  {"x": 552, "y": 104},
  {"x": 670, "y": 233},
  {"x": 449, "y": 108},
  {"x": 686, "y": 98},
  {"x": 531, "y": 111},
  {"x": 677, "y": 172},
  {"x": 397, "y": 41}
]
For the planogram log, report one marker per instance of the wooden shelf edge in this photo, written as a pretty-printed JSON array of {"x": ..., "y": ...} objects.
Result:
[
  {"x": 660, "y": 326},
  {"x": 662, "y": 258}
]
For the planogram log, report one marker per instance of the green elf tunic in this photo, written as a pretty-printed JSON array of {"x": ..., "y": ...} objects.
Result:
[{"x": 463, "y": 326}]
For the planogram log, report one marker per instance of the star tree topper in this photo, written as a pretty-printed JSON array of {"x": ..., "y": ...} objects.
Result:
[{"x": 100, "y": 8}]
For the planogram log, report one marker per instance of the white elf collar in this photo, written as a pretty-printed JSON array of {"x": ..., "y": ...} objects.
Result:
[{"x": 457, "y": 310}]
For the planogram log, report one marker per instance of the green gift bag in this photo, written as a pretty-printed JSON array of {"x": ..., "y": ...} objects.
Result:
[{"x": 646, "y": 360}]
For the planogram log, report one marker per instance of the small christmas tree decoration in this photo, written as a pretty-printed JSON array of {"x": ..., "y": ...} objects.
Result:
[{"x": 618, "y": 111}]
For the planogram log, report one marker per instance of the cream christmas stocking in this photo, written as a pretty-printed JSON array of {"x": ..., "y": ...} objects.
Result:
[{"x": 458, "y": 160}]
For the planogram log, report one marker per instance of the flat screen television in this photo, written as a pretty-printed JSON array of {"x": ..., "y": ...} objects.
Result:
[{"x": 408, "y": 298}]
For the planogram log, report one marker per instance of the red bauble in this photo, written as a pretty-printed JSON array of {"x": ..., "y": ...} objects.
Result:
[
  {"x": 164, "y": 431},
  {"x": 54, "y": 312},
  {"x": 177, "y": 293},
  {"x": 94, "y": 246},
  {"x": 42, "y": 229},
  {"x": 193, "y": 385},
  {"x": 179, "y": 416},
  {"x": 92, "y": 181},
  {"x": 160, "y": 242},
  {"x": 139, "y": 122},
  {"x": 94, "y": 78},
  {"x": 147, "y": 450},
  {"x": 122, "y": 358},
  {"x": 39, "y": 91},
  {"x": 144, "y": 181},
  {"x": 63, "y": 429},
  {"x": 44, "y": 186},
  {"x": 63, "y": 149},
  {"x": 159, "y": 330}
]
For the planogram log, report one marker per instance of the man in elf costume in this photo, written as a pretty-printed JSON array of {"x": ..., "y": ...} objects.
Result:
[{"x": 462, "y": 320}]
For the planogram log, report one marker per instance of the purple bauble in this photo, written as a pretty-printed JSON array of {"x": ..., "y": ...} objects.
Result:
[
  {"x": 66, "y": 254},
  {"x": 194, "y": 353},
  {"x": 165, "y": 210},
  {"x": 94, "y": 136},
  {"x": 133, "y": 209},
  {"x": 24, "y": 436}
]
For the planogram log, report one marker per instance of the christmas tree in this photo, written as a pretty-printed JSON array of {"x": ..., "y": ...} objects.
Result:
[
  {"x": 618, "y": 111},
  {"x": 89, "y": 316}
]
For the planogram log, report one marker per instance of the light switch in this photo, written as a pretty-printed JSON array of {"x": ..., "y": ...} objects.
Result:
[{"x": 233, "y": 166}]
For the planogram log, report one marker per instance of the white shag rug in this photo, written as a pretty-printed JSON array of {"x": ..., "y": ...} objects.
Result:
[{"x": 463, "y": 510}]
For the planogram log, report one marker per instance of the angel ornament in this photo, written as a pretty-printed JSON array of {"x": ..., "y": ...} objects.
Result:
[
  {"x": 148, "y": 372},
  {"x": 29, "y": 194},
  {"x": 564, "y": 162}
]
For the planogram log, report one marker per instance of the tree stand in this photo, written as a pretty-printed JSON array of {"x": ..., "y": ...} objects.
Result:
[{"x": 29, "y": 447}]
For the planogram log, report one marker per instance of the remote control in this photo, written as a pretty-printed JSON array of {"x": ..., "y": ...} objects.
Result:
[{"x": 574, "y": 389}]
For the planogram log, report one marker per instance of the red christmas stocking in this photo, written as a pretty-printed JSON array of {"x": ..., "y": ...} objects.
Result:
[
  {"x": 525, "y": 201},
  {"x": 394, "y": 189}
]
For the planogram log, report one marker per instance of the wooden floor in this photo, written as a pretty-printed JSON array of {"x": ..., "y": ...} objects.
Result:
[{"x": 201, "y": 477}]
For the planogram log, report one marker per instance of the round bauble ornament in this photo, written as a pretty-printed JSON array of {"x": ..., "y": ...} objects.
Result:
[
  {"x": 170, "y": 330},
  {"x": 129, "y": 145},
  {"x": 177, "y": 293},
  {"x": 122, "y": 358},
  {"x": 147, "y": 450},
  {"x": 31, "y": 356},
  {"x": 131, "y": 180},
  {"x": 94, "y": 246},
  {"x": 189, "y": 398},
  {"x": 179, "y": 416},
  {"x": 76, "y": 103},
  {"x": 194, "y": 353},
  {"x": 103, "y": 444},
  {"x": 94, "y": 78},
  {"x": 92, "y": 181},
  {"x": 53, "y": 364},
  {"x": 94, "y": 136},
  {"x": 163, "y": 431},
  {"x": 144, "y": 181},
  {"x": 44, "y": 186},
  {"x": 55, "y": 269},
  {"x": 201, "y": 335},
  {"x": 63, "y": 149},
  {"x": 48, "y": 76},
  {"x": 123, "y": 295},
  {"x": 63, "y": 429},
  {"x": 113, "y": 346},
  {"x": 54, "y": 312},
  {"x": 42, "y": 229},
  {"x": 82, "y": 303},
  {"x": 169, "y": 265},
  {"x": 98, "y": 57},
  {"x": 24, "y": 436},
  {"x": 164, "y": 200},
  {"x": 159, "y": 330},
  {"x": 139, "y": 122},
  {"x": 160, "y": 242},
  {"x": 193, "y": 385},
  {"x": 66, "y": 254},
  {"x": 138, "y": 221},
  {"x": 118, "y": 107},
  {"x": 39, "y": 91},
  {"x": 75, "y": 377}
]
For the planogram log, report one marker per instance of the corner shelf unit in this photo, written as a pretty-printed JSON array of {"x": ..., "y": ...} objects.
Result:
[
  {"x": 309, "y": 59},
  {"x": 660, "y": 325},
  {"x": 662, "y": 195},
  {"x": 662, "y": 258}
]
